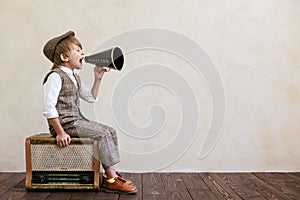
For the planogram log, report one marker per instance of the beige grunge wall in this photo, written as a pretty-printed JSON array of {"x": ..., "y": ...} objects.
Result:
[{"x": 254, "y": 46}]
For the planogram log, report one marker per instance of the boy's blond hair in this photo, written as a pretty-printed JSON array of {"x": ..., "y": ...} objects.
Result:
[{"x": 64, "y": 47}]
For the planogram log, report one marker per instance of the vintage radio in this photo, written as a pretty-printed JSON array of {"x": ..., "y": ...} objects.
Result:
[{"x": 49, "y": 166}]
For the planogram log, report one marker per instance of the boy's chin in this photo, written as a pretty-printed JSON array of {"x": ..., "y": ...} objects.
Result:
[{"x": 79, "y": 67}]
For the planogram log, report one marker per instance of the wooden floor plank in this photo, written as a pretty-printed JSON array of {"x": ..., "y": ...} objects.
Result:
[
  {"x": 86, "y": 195},
  {"x": 10, "y": 182},
  {"x": 196, "y": 187},
  {"x": 282, "y": 183},
  {"x": 153, "y": 187},
  {"x": 4, "y": 176},
  {"x": 252, "y": 188},
  {"x": 174, "y": 186},
  {"x": 36, "y": 195},
  {"x": 59, "y": 195},
  {"x": 268, "y": 191},
  {"x": 292, "y": 182},
  {"x": 221, "y": 187},
  {"x": 17, "y": 192},
  {"x": 137, "y": 181},
  {"x": 240, "y": 186},
  {"x": 14, "y": 194},
  {"x": 294, "y": 176},
  {"x": 217, "y": 188},
  {"x": 106, "y": 196}
]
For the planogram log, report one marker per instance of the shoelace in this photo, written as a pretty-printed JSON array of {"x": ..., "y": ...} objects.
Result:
[
  {"x": 120, "y": 176},
  {"x": 121, "y": 181}
]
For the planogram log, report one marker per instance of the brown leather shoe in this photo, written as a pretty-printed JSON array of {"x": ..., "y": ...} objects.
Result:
[{"x": 120, "y": 187}]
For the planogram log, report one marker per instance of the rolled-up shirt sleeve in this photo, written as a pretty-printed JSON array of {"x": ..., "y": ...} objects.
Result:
[
  {"x": 51, "y": 91},
  {"x": 86, "y": 94}
]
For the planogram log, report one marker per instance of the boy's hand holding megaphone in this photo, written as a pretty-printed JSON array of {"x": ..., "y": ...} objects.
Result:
[{"x": 99, "y": 71}]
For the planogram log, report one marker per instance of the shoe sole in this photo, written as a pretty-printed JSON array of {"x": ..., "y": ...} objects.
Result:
[{"x": 119, "y": 192}]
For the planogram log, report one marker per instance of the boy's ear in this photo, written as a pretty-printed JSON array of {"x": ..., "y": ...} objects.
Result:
[{"x": 64, "y": 58}]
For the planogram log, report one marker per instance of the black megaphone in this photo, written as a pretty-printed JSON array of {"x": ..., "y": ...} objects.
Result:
[{"x": 112, "y": 58}]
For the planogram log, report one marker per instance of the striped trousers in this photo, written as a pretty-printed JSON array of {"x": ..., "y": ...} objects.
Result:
[{"x": 106, "y": 135}]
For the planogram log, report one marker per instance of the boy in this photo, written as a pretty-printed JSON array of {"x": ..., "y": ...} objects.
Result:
[{"x": 62, "y": 90}]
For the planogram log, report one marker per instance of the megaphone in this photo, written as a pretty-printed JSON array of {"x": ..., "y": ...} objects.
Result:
[{"x": 112, "y": 58}]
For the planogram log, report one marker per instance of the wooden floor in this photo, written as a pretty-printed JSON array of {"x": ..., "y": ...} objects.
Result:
[{"x": 182, "y": 186}]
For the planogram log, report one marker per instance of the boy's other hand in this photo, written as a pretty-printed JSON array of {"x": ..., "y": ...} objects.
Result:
[{"x": 63, "y": 139}]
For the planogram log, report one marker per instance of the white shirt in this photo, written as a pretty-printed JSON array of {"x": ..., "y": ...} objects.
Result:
[{"x": 52, "y": 88}]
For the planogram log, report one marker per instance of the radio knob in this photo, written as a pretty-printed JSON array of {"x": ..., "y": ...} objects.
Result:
[
  {"x": 85, "y": 179},
  {"x": 42, "y": 179}
]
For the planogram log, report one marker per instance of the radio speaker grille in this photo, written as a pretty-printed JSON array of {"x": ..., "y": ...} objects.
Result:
[{"x": 51, "y": 157}]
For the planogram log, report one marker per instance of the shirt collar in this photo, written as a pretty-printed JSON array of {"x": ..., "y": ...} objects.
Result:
[{"x": 66, "y": 70}]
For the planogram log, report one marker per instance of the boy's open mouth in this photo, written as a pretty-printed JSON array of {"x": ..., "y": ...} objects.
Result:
[{"x": 80, "y": 60}]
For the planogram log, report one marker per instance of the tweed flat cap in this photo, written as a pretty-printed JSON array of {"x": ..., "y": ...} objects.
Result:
[{"x": 50, "y": 46}]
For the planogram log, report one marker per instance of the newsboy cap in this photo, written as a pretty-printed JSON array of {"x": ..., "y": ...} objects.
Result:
[{"x": 50, "y": 46}]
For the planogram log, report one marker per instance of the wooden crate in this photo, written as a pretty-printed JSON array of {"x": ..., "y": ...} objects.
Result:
[{"x": 49, "y": 166}]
